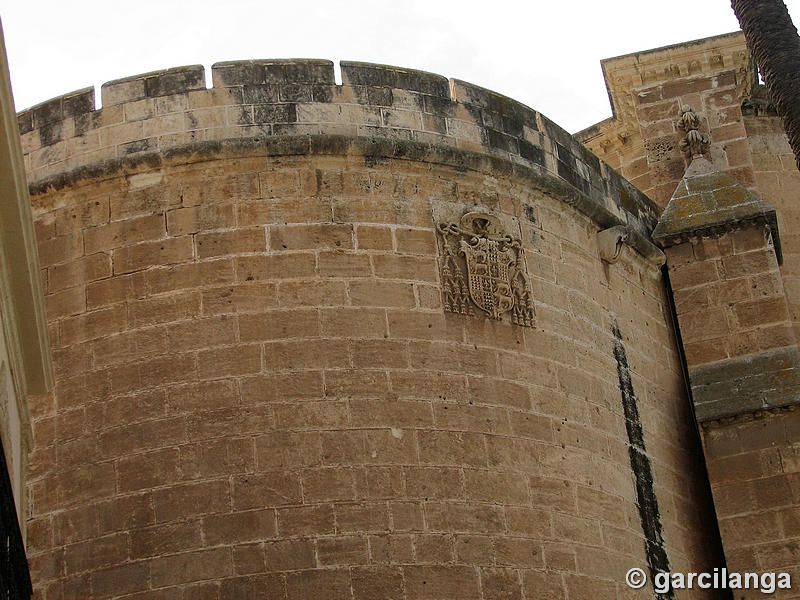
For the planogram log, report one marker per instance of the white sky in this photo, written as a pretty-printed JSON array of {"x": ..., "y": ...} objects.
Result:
[{"x": 544, "y": 54}]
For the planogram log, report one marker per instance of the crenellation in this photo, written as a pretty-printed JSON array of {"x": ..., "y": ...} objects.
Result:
[
  {"x": 74, "y": 104},
  {"x": 237, "y": 73},
  {"x": 151, "y": 85},
  {"x": 48, "y": 112},
  {"x": 467, "y": 93},
  {"x": 375, "y": 75},
  {"x": 175, "y": 81},
  {"x": 78, "y": 103},
  {"x": 116, "y": 92},
  {"x": 281, "y": 71}
]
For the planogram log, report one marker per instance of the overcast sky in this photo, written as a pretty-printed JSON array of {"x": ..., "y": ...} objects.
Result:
[{"x": 544, "y": 54}]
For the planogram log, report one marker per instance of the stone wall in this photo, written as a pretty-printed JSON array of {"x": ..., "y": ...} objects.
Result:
[
  {"x": 715, "y": 76},
  {"x": 736, "y": 302},
  {"x": 756, "y": 476},
  {"x": 778, "y": 181},
  {"x": 259, "y": 392},
  {"x": 647, "y": 90},
  {"x": 265, "y": 99}
]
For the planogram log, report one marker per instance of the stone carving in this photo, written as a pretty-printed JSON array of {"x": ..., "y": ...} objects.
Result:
[
  {"x": 694, "y": 143},
  {"x": 658, "y": 150},
  {"x": 609, "y": 242},
  {"x": 483, "y": 266}
]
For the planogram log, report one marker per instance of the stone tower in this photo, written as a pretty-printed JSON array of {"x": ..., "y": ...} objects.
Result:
[{"x": 401, "y": 337}]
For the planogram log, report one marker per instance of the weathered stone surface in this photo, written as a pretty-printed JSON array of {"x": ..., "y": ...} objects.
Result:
[
  {"x": 710, "y": 202},
  {"x": 746, "y": 384},
  {"x": 256, "y": 367},
  {"x": 388, "y": 111},
  {"x": 738, "y": 311}
]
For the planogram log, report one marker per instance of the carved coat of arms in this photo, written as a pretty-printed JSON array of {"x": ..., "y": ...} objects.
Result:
[{"x": 484, "y": 266}]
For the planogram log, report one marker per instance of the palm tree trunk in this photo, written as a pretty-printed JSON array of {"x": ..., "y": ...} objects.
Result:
[{"x": 772, "y": 39}]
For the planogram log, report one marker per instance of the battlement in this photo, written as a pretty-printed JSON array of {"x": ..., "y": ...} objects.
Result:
[
  {"x": 262, "y": 98},
  {"x": 153, "y": 85}
]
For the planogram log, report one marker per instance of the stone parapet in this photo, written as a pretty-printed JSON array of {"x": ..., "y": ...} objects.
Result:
[{"x": 266, "y": 99}]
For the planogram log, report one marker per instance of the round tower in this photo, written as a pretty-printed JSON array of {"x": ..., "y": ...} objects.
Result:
[{"x": 349, "y": 341}]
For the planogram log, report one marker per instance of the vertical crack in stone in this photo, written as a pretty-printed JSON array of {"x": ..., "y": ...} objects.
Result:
[{"x": 647, "y": 502}]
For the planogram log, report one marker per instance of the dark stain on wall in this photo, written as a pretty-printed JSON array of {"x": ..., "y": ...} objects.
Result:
[{"x": 657, "y": 560}]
